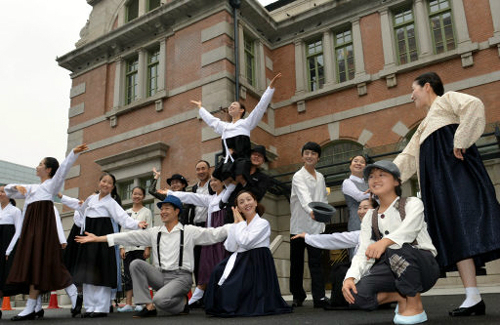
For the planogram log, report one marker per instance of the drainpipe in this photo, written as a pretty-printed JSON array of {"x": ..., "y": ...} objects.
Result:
[{"x": 236, "y": 5}]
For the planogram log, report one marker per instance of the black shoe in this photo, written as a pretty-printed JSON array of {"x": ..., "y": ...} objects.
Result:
[
  {"x": 78, "y": 306},
  {"x": 86, "y": 315},
  {"x": 198, "y": 304},
  {"x": 111, "y": 308},
  {"x": 98, "y": 315},
  {"x": 30, "y": 316},
  {"x": 477, "y": 309},
  {"x": 39, "y": 314},
  {"x": 297, "y": 302},
  {"x": 0, "y": 314},
  {"x": 185, "y": 311},
  {"x": 322, "y": 303},
  {"x": 145, "y": 313}
]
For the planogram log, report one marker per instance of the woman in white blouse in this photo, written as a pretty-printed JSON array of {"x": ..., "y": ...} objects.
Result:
[
  {"x": 129, "y": 253},
  {"x": 38, "y": 266},
  {"x": 96, "y": 262},
  {"x": 10, "y": 228},
  {"x": 245, "y": 283},
  {"x": 461, "y": 207},
  {"x": 395, "y": 259}
]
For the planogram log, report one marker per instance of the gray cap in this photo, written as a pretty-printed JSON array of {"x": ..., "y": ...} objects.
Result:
[{"x": 385, "y": 165}]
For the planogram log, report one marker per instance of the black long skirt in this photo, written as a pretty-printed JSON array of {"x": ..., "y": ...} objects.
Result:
[
  {"x": 38, "y": 259},
  {"x": 251, "y": 289},
  {"x": 71, "y": 251},
  {"x": 96, "y": 262},
  {"x": 461, "y": 209},
  {"x": 6, "y": 234}
]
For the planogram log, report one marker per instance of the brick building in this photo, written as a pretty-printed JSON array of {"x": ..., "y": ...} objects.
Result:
[{"x": 347, "y": 70}]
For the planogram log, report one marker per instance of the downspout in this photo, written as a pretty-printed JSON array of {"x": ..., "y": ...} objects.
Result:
[{"x": 236, "y": 5}]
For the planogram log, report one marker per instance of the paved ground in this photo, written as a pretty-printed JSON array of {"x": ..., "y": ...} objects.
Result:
[{"x": 436, "y": 306}]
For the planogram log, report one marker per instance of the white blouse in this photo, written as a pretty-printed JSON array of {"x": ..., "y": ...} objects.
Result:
[
  {"x": 391, "y": 227},
  {"x": 106, "y": 207},
  {"x": 349, "y": 188},
  {"x": 144, "y": 214},
  {"x": 205, "y": 200},
  {"x": 243, "y": 237},
  {"x": 451, "y": 108},
  {"x": 11, "y": 215}
]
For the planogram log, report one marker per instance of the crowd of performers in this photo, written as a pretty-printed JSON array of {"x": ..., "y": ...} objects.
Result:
[{"x": 218, "y": 232}]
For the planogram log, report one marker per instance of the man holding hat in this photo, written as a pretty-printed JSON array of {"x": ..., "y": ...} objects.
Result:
[{"x": 172, "y": 247}]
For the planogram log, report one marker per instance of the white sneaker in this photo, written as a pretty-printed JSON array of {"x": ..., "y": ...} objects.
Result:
[
  {"x": 138, "y": 308},
  {"x": 125, "y": 309}
]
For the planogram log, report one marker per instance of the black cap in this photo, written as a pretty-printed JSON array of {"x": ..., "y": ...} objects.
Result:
[
  {"x": 178, "y": 177},
  {"x": 262, "y": 150}
]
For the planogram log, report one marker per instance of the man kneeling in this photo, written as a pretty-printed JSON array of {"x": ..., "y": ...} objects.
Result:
[{"x": 171, "y": 273}]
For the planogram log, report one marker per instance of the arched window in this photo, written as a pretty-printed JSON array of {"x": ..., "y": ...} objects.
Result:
[{"x": 333, "y": 163}]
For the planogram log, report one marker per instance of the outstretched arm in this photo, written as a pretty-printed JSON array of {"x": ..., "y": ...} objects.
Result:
[
  {"x": 276, "y": 77},
  {"x": 90, "y": 238}
]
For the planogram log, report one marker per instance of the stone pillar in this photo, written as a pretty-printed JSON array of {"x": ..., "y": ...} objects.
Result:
[
  {"x": 328, "y": 59},
  {"x": 387, "y": 43},
  {"x": 300, "y": 57},
  {"x": 357, "y": 45},
  {"x": 119, "y": 83},
  {"x": 423, "y": 29},
  {"x": 161, "y": 65},
  {"x": 260, "y": 66},
  {"x": 142, "y": 73}
]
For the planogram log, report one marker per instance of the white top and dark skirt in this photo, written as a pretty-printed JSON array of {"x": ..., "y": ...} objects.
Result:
[
  {"x": 96, "y": 262},
  {"x": 461, "y": 208},
  {"x": 246, "y": 284},
  {"x": 236, "y": 136},
  {"x": 38, "y": 260},
  {"x": 210, "y": 255},
  {"x": 11, "y": 222}
]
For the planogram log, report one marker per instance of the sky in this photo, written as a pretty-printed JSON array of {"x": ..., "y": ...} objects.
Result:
[{"x": 34, "y": 89}]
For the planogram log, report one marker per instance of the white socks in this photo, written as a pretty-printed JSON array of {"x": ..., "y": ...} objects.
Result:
[
  {"x": 72, "y": 293},
  {"x": 197, "y": 295},
  {"x": 30, "y": 307},
  {"x": 472, "y": 297},
  {"x": 38, "y": 305}
]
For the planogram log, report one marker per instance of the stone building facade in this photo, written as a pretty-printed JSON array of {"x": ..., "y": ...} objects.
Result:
[{"x": 347, "y": 70}]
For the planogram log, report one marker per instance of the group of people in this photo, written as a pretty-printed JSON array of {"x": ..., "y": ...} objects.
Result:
[{"x": 397, "y": 245}]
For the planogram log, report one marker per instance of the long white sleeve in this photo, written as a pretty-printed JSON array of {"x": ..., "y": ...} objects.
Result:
[
  {"x": 338, "y": 240},
  {"x": 18, "y": 224}
]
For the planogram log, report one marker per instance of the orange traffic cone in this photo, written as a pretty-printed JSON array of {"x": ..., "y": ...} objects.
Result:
[
  {"x": 53, "y": 300},
  {"x": 6, "y": 303}
]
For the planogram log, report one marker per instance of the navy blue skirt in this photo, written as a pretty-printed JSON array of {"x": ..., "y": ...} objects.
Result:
[
  {"x": 461, "y": 209},
  {"x": 71, "y": 251},
  {"x": 251, "y": 289}
]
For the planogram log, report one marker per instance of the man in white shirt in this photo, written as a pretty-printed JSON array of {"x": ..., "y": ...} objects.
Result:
[
  {"x": 308, "y": 185},
  {"x": 172, "y": 255}
]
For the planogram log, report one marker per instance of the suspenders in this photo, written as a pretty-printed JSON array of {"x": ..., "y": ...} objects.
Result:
[
  {"x": 181, "y": 247},
  {"x": 402, "y": 213}
]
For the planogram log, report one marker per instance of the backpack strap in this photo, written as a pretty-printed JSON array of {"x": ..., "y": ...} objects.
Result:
[
  {"x": 158, "y": 237},
  {"x": 181, "y": 248},
  {"x": 375, "y": 229}
]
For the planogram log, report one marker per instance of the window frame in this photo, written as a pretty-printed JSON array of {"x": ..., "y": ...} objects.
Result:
[
  {"x": 344, "y": 46},
  {"x": 127, "y": 10},
  {"x": 152, "y": 64},
  {"x": 404, "y": 25},
  {"x": 317, "y": 84},
  {"x": 440, "y": 13},
  {"x": 131, "y": 88},
  {"x": 149, "y": 7},
  {"x": 247, "y": 40}
]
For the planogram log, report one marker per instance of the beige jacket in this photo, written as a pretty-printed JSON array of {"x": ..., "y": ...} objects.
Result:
[{"x": 451, "y": 108}]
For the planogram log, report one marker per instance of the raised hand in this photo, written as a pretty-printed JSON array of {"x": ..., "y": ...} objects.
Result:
[
  {"x": 80, "y": 148},
  {"x": 197, "y": 103},
  {"x": 276, "y": 77}
]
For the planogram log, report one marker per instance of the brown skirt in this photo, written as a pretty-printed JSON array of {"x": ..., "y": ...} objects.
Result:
[{"x": 38, "y": 259}]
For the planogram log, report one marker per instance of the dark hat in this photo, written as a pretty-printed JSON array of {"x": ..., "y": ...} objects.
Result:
[
  {"x": 322, "y": 211},
  {"x": 262, "y": 150},
  {"x": 174, "y": 200},
  {"x": 385, "y": 165},
  {"x": 179, "y": 177}
]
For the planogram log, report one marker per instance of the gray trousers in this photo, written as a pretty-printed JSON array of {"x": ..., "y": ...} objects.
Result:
[
  {"x": 171, "y": 286},
  {"x": 406, "y": 270}
]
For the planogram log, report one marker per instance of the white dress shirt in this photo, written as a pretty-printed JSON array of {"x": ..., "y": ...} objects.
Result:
[
  {"x": 306, "y": 189},
  {"x": 170, "y": 243},
  {"x": 211, "y": 202},
  {"x": 391, "y": 227},
  {"x": 144, "y": 214},
  {"x": 349, "y": 188},
  {"x": 201, "y": 212},
  {"x": 338, "y": 240},
  {"x": 11, "y": 215}
]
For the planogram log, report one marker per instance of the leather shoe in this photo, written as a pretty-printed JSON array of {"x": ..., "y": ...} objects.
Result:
[
  {"x": 322, "y": 303},
  {"x": 297, "y": 302},
  {"x": 30, "y": 316},
  {"x": 477, "y": 309},
  {"x": 145, "y": 313},
  {"x": 39, "y": 314},
  {"x": 86, "y": 315},
  {"x": 98, "y": 315}
]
